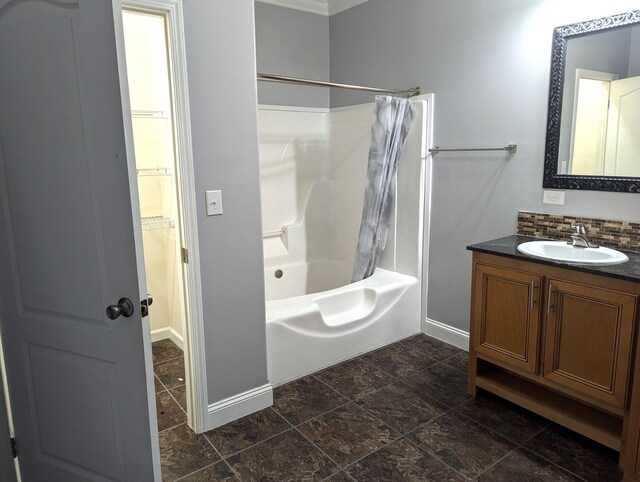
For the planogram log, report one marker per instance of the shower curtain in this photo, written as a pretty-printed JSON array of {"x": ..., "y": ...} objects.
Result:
[{"x": 393, "y": 119}]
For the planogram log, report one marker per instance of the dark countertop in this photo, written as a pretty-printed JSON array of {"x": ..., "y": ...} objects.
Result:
[{"x": 507, "y": 247}]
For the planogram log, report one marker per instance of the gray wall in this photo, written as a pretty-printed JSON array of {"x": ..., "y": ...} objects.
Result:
[
  {"x": 222, "y": 87},
  {"x": 488, "y": 64},
  {"x": 634, "y": 53},
  {"x": 296, "y": 44}
]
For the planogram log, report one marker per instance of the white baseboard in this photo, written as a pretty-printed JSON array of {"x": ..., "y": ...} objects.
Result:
[
  {"x": 170, "y": 333},
  {"x": 448, "y": 334},
  {"x": 239, "y": 406}
]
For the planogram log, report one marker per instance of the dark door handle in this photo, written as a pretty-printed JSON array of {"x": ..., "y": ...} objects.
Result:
[
  {"x": 145, "y": 304},
  {"x": 123, "y": 308}
]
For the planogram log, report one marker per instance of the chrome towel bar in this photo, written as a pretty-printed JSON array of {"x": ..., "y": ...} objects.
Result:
[{"x": 511, "y": 149}]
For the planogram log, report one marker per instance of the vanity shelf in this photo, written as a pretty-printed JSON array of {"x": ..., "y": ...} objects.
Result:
[{"x": 588, "y": 421}]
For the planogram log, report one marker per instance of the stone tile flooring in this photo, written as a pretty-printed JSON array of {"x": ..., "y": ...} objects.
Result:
[
  {"x": 168, "y": 368},
  {"x": 399, "y": 413}
]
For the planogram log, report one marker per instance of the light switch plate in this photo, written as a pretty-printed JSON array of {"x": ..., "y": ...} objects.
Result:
[
  {"x": 214, "y": 203},
  {"x": 553, "y": 197}
]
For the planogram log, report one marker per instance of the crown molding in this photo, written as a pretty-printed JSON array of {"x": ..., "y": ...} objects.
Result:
[
  {"x": 319, "y": 7},
  {"x": 337, "y": 6}
]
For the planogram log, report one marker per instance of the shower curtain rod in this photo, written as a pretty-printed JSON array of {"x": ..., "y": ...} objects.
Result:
[{"x": 320, "y": 83}]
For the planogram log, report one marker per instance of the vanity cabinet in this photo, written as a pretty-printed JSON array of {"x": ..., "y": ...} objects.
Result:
[{"x": 556, "y": 341}]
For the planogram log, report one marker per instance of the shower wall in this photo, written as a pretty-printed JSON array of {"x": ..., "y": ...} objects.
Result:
[
  {"x": 298, "y": 201},
  {"x": 350, "y": 139},
  {"x": 350, "y": 130},
  {"x": 313, "y": 166}
]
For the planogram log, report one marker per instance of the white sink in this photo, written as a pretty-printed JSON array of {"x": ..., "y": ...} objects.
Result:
[{"x": 566, "y": 253}]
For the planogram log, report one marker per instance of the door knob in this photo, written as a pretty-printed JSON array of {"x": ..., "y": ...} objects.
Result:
[
  {"x": 145, "y": 304},
  {"x": 123, "y": 308}
]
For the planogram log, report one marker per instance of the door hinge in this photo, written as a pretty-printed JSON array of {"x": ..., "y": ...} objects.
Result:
[
  {"x": 185, "y": 255},
  {"x": 14, "y": 447}
]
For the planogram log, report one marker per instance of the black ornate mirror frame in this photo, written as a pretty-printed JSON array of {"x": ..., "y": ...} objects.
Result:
[{"x": 558, "y": 60}]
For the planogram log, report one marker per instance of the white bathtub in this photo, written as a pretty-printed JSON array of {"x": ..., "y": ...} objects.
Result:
[{"x": 334, "y": 322}]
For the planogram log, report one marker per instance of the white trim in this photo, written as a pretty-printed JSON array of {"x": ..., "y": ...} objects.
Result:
[
  {"x": 292, "y": 108},
  {"x": 448, "y": 334},
  {"x": 239, "y": 406},
  {"x": 319, "y": 7},
  {"x": 195, "y": 361},
  {"x": 193, "y": 341},
  {"x": 326, "y": 110},
  {"x": 345, "y": 108},
  {"x": 8, "y": 409},
  {"x": 167, "y": 334},
  {"x": 427, "y": 176},
  {"x": 337, "y": 6}
]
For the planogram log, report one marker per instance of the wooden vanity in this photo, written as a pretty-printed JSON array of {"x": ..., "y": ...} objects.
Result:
[{"x": 560, "y": 341}]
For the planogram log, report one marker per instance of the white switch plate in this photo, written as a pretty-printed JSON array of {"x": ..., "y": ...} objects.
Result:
[
  {"x": 214, "y": 203},
  {"x": 553, "y": 197}
]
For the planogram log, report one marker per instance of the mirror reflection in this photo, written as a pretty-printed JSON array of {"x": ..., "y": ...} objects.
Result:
[{"x": 600, "y": 124}]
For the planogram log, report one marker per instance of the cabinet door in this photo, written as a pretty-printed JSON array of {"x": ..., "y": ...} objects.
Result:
[
  {"x": 588, "y": 339},
  {"x": 507, "y": 315}
]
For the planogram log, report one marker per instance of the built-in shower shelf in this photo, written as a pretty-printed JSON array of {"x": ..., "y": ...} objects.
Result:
[
  {"x": 154, "y": 172},
  {"x": 157, "y": 222}
]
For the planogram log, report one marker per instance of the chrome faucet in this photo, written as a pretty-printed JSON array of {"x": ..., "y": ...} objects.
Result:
[{"x": 580, "y": 238}]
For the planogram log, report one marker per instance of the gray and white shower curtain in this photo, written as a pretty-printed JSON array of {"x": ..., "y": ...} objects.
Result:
[{"x": 393, "y": 119}]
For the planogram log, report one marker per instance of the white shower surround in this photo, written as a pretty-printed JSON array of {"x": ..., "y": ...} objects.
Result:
[{"x": 313, "y": 168}]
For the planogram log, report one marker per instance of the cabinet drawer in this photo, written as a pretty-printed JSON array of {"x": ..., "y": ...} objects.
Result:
[
  {"x": 589, "y": 334},
  {"x": 507, "y": 315}
]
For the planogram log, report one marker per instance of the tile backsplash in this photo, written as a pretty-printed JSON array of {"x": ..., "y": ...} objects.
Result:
[{"x": 613, "y": 234}]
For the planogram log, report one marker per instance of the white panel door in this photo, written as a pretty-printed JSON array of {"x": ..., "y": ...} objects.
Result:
[
  {"x": 589, "y": 127},
  {"x": 77, "y": 379},
  {"x": 622, "y": 156}
]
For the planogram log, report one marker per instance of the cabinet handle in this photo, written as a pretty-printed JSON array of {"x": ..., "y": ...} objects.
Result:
[
  {"x": 549, "y": 294},
  {"x": 532, "y": 300}
]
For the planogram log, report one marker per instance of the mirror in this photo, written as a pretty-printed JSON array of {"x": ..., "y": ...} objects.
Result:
[{"x": 593, "y": 126}]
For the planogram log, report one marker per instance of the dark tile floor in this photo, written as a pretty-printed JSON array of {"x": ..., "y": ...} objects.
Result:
[
  {"x": 168, "y": 368},
  {"x": 399, "y": 413}
]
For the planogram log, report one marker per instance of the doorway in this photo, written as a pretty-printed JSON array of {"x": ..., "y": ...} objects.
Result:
[{"x": 158, "y": 168}]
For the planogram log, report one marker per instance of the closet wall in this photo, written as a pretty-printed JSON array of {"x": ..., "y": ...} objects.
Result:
[{"x": 153, "y": 138}]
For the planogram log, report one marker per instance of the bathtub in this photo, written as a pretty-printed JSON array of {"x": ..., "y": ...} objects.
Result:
[{"x": 315, "y": 319}]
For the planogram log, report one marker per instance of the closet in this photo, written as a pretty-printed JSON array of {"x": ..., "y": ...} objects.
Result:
[{"x": 152, "y": 120}]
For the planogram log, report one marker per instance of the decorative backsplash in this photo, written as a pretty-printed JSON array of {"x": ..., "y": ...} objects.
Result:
[{"x": 613, "y": 234}]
